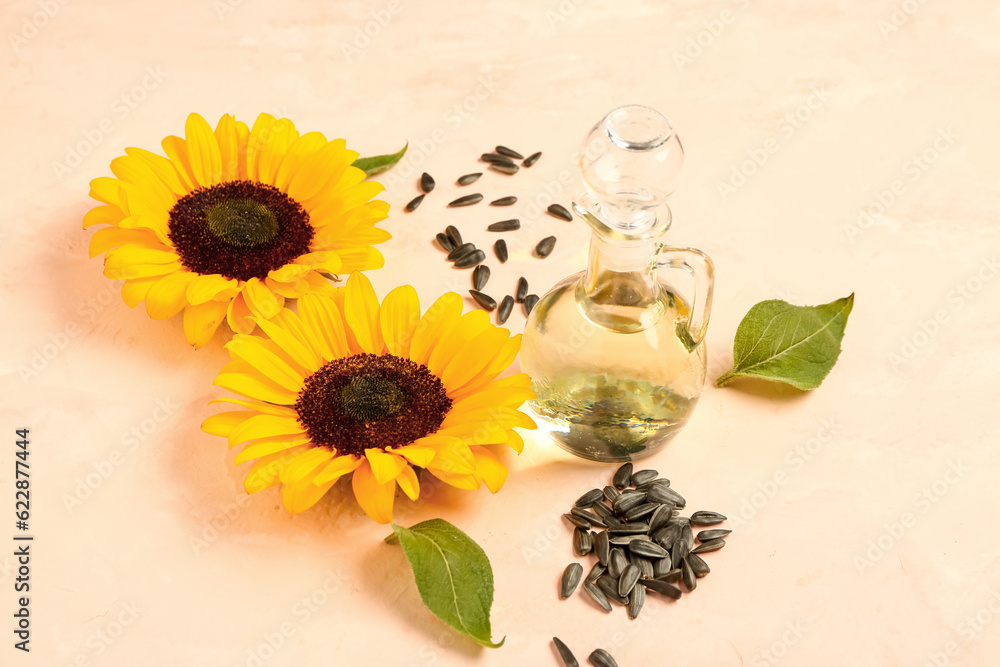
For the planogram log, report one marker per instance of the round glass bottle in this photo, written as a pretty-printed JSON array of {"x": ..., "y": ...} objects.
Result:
[{"x": 616, "y": 353}]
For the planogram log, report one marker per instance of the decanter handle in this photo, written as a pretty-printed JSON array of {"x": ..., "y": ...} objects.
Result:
[{"x": 702, "y": 270}]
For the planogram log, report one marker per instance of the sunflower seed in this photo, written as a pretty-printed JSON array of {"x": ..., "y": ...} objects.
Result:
[
  {"x": 649, "y": 550},
  {"x": 659, "y": 481},
  {"x": 480, "y": 276},
  {"x": 505, "y": 167},
  {"x": 589, "y": 498},
  {"x": 667, "y": 536},
  {"x": 645, "y": 567},
  {"x": 522, "y": 290},
  {"x": 469, "y": 178},
  {"x": 679, "y": 521},
  {"x": 678, "y": 552},
  {"x": 505, "y": 226},
  {"x": 545, "y": 246},
  {"x": 609, "y": 587},
  {"x": 452, "y": 232},
  {"x": 565, "y": 653},
  {"x": 595, "y": 572},
  {"x": 660, "y": 517},
  {"x": 570, "y": 579},
  {"x": 698, "y": 565},
  {"x": 484, "y": 300},
  {"x": 583, "y": 543},
  {"x": 625, "y": 540},
  {"x": 711, "y": 545},
  {"x": 493, "y": 157},
  {"x": 509, "y": 152},
  {"x": 414, "y": 203},
  {"x": 559, "y": 211},
  {"x": 687, "y": 536},
  {"x": 597, "y": 595},
  {"x": 504, "y": 201},
  {"x": 531, "y": 159},
  {"x": 640, "y": 511},
  {"x": 445, "y": 242},
  {"x": 471, "y": 259},
  {"x": 617, "y": 563},
  {"x": 460, "y": 250},
  {"x": 687, "y": 575},
  {"x": 701, "y": 518},
  {"x": 602, "y": 547},
  {"x": 500, "y": 248},
  {"x": 636, "y": 599},
  {"x": 426, "y": 182},
  {"x": 662, "y": 587},
  {"x": 611, "y": 493},
  {"x": 467, "y": 200},
  {"x": 661, "y": 566},
  {"x": 529, "y": 303},
  {"x": 588, "y": 516},
  {"x": 577, "y": 521},
  {"x": 603, "y": 510},
  {"x": 670, "y": 576},
  {"x": 622, "y": 476},
  {"x": 713, "y": 534},
  {"x": 643, "y": 477},
  {"x": 626, "y": 582},
  {"x": 664, "y": 494},
  {"x": 637, "y": 528},
  {"x": 627, "y": 501},
  {"x": 601, "y": 658}
]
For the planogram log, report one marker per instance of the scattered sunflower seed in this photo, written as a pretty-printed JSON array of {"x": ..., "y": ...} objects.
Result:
[
  {"x": 522, "y": 290},
  {"x": 660, "y": 517},
  {"x": 445, "y": 242},
  {"x": 687, "y": 575},
  {"x": 597, "y": 594},
  {"x": 589, "y": 516},
  {"x": 659, "y": 493},
  {"x": 625, "y": 540},
  {"x": 469, "y": 178},
  {"x": 670, "y": 576},
  {"x": 648, "y": 549},
  {"x": 627, "y": 501},
  {"x": 662, "y": 587},
  {"x": 577, "y": 521},
  {"x": 471, "y": 259},
  {"x": 493, "y": 157},
  {"x": 505, "y": 225},
  {"x": 645, "y": 567},
  {"x": 500, "y": 249},
  {"x": 609, "y": 587},
  {"x": 455, "y": 235},
  {"x": 711, "y": 545},
  {"x": 504, "y": 201},
  {"x": 426, "y": 182},
  {"x": 570, "y": 579},
  {"x": 698, "y": 565},
  {"x": 545, "y": 246},
  {"x": 467, "y": 200},
  {"x": 678, "y": 552},
  {"x": 567, "y": 656},
  {"x": 509, "y": 152},
  {"x": 712, "y": 534},
  {"x": 460, "y": 250},
  {"x": 583, "y": 542},
  {"x": 505, "y": 167},
  {"x": 626, "y": 582},
  {"x": 617, "y": 563},
  {"x": 531, "y": 159},
  {"x": 603, "y": 510},
  {"x": 414, "y": 203},
  {"x": 637, "y": 528},
  {"x": 622, "y": 476},
  {"x": 611, "y": 493},
  {"x": 480, "y": 276},
  {"x": 601, "y": 658},
  {"x": 640, "y": 511},
  {"x": 687, "y": 536},
  {"x": 559, "y": 211},
  {"x": 529, "y": 303},
  {"x": 702, "y": 518},
  {"x": 602, "y": 547},
  {"x": 506, "y": 305},
  {"x": 589, "y": 498},
  {"x": 636, "y": 599},
  {"x": 643, "y": 476},
  {"x": 484, "y": 300},
  {"x": 667, "y": 536},
  {"x": 595, "y": 572}
]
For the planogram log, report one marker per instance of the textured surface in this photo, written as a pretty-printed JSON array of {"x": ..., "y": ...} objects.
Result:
[{"x": 864, "y": 511}]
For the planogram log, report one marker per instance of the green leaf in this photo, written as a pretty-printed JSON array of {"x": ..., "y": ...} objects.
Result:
[
  {"x": 797, "y": 345},
  {"x": 453, "y": 576},
  {"x": 379, "y": 163}
]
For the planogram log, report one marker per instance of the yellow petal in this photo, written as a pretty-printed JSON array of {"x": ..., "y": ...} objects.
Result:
[
  {"x": 398, "y": 318},
  {"x": 223, "y": 422},
  {"x": 289, "y": 272},
  {"x": 113, "y": 237},
  {"x": 103, "y": 215},
  {"x": 489, "y": 467},
  {"x": 210, "y": 287},
  {"x": 203, "y": 150},
  {"x": 177, "y": 150},
  {"x": 415, "y": 454},
  {"x": 440, "y": 317},
  {"x": 262, "y": 301},
  {"x": 284, "y": 334},
  {"x": 325, "y": 323},
  {"x": 142, "y": 271},
  {"x": 277, "y": 141},
  {"x": 409, "y": 483},
  {"x": 454, "y": 457},
  {"x": 134, "y": 291},
  {"x": 302, "y": 495},
  {"x": 255, "y": 386},
  {"x": 138, "y": 173},
  {"x": 167, "y": 297},
  {"x": 499, "y": 363},
  {"x": 491, "y": 396},
  {"x": 362, "y": 313},
  {"x": 457, "y": 338},
  {"x": 268, "y": 358},
  {"x": 374, "y": 498},
  {"x": 325, "y": 165},
  {"x": 259, "y": 406},
  {"x": 266, "y": 471},
  {"x": 264, "y": 426},
  {"x": 201, "y": 321},
  {"x": 515, "y": 441},
  {"x": 257, "y": 143},
  {"x": 132, "y": 254},
  {"x": 227, "y": 137},
  {"x": 161, "y": 167},
  {"x": 337, "y": 468},
  {"x": 272, "y": 445},
  {"x": 306, "y": 463},
  {"x": 106, "y": 190},
  {"x": 359, "y": 258},
  {"x": 239, "y": 317},
  {"x": 384, "y": 466},
  {"x": 293, "y": 162},
  {"x": 474, "y": 357}
]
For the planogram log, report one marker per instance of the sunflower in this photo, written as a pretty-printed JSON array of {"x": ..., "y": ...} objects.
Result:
[
  {"x": 233, "y": 222},
  {"x": 347, "y": 385}
]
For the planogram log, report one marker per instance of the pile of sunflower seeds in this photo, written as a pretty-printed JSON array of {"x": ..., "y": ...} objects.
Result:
[
  {"x": 645, "y": 544},
  {"x": 466, "y": 255}
]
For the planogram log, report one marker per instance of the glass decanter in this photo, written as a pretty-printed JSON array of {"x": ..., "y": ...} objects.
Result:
[{"x": 616, "y": 353}]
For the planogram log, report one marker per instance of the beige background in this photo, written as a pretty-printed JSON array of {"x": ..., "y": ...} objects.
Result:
[{"x": 865, "y": 511}]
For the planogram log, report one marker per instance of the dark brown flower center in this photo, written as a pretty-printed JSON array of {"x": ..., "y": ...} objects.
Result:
[
  {"x": 240, "y": 229},
  {"x": 368, "y": 401}
]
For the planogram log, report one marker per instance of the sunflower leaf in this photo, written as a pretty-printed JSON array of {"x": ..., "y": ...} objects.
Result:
[
  {"x": 798, "y": 345},
  {"x": 379, "y": 163},
  {"x": 453, "y": 576}
]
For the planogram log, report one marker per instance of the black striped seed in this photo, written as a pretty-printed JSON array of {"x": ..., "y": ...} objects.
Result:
[{"x": 414, "y": 203}]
